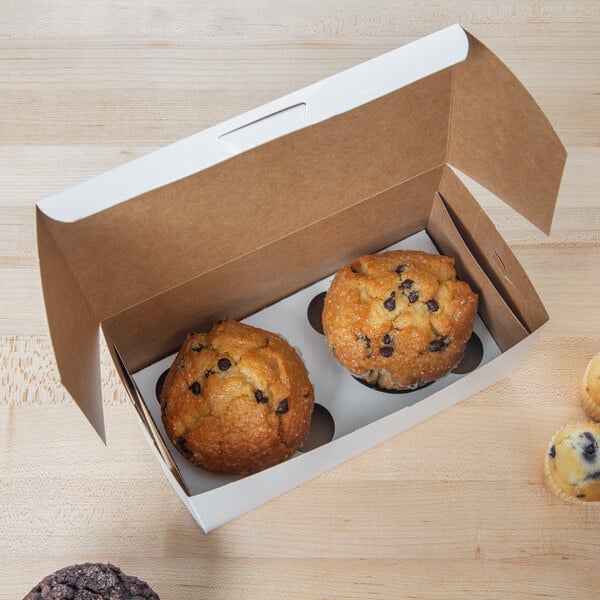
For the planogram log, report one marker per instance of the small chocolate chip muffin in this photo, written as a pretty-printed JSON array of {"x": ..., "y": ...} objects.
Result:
[
  {"x": 91, "y": 581},
  {"x": 237, "y": 399},
  {"x": 399, "y": 319},
  {"x": 572, "y": 463},
  {"x": 590, "y": 388}
]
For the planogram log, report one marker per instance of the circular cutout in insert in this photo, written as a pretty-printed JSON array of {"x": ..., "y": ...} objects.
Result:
[
  {"x": 378, "y": 388},
  {"x": 159, "y": 384},
  {"x": 322, "y": 429},
  {"x": 472, "y": 356},
  {"x": 315, "y": 312}
]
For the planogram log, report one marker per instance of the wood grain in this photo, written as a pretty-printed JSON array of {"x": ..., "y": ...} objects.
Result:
[{"x": 453, "y": 508}]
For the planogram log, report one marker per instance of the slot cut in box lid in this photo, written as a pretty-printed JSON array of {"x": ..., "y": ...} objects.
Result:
[{"x": 158, "y": 222}]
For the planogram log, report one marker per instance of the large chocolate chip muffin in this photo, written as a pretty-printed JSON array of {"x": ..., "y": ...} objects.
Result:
[
  {"x": 237, "y": 399},
  {"x": 399, "y": 319},
  {"x": 91, "y": 581}
]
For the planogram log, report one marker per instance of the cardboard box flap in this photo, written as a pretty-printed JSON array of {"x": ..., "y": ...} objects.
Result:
[
  {"x": 313, "y": 104},
  {"x": 138, "y": 249},
  {"x": 73, "y": 329},
  {"x": 501, "y": 138}
]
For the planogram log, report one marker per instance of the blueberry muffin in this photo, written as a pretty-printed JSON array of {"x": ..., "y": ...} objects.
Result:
[
  {"x": 399, "y": 319},
  {"x": 237, "y": 399},
  {"x": 572, "y": 463},
  {"x": 91, "y": 581},
  {"x": 590, "y": 388}
]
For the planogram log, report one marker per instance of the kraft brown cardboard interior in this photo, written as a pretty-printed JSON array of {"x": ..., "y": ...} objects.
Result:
[{"x": 500, "y": 137}]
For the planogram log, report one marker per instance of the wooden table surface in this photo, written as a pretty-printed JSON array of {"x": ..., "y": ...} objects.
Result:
[{"x": 453, "y": 508}]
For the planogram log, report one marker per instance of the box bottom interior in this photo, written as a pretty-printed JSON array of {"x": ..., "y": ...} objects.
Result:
[{"x": 343, "y": 404}]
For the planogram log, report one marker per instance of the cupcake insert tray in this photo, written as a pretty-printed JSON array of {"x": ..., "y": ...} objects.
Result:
[{"x": 344, "y": 405}]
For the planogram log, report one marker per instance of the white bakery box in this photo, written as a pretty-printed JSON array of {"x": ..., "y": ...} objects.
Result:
[{"x": 249, "y": 220}]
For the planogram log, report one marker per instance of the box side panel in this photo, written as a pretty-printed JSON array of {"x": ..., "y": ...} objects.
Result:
[
  {"x": 158, "y": 240},
  {"x": 73, "y": 328},
  {"x": 492, "y": 253},
  {"x": 506, "y": 329},
  {"x": 169, "y": 474},
  {"x": 145, "y": 415},
  {"x": 501, "y": 138},
  {"x": 156, "y": 327}
]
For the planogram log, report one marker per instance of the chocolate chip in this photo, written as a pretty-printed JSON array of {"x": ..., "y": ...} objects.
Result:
[
  {"x": 386, "y": 351},
  {"x": 364, "y": 339},
  {"x": 433, "y": 306},
  {"x": 260, "y": 397},
  {"x": 387, "y": 339},
  {"x": 180, "y": 443},
  {"x": 282, "y": 407},
  {"x": 198, "y": 348},
  {"x": 400, "y": 269},
  {"x": 224, "y": 364},
  {"x": 437, "y": 345},
  {"x": 592, "y": 476},
  {"x": 413, "y": 297},
  {"x": 406, "y": 284},
  {"x": 390, "y": 304},
  {"x": 195, "y": 388},
  {"x": 552, "y": 452},
  {"x": 581, "y": 495}
]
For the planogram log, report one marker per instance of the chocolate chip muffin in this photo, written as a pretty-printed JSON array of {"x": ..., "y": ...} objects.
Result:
[
  {"x": 572, "y": 463},
  {"x": 590, "y": 388},
  {"x": 237, "y": 399},
  {"x": 91, "y": 581},
  {"x": 399, "y": 319}
]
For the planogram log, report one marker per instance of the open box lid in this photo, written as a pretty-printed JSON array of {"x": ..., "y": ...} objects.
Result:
[{"x": 147, "y": 227}]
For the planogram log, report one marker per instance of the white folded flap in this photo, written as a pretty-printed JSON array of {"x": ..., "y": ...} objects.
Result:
[{"x": 317, "y": 102}]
